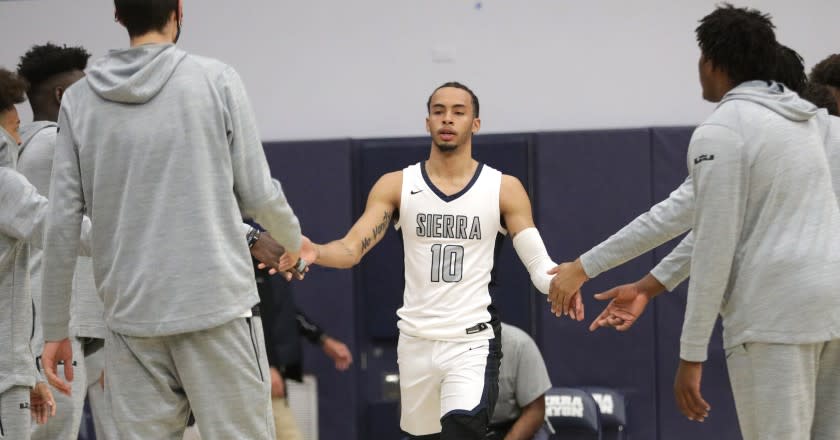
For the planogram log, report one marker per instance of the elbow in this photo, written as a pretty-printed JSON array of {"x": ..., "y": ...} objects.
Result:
[{"x": 354, "y": 261}]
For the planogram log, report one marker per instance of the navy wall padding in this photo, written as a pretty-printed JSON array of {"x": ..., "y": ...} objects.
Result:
[
  {"x": 670, "y": 170},
  {"x": 588, "y": 185},
  {"x": 316, "y": 178},
  {"x": 380, "y": 274},
  {"x": 584, "y": 186}
]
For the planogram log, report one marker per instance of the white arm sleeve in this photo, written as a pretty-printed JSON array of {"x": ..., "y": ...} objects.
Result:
[{"x": 531, "y": 250}]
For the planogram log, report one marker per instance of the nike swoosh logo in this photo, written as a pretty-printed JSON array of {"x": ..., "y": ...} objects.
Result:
[{"x": 415, "y": 192}]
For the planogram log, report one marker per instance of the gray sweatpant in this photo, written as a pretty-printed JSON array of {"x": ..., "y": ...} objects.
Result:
[
  {"x": 68, "y": 409},
  {"x": 15, "y": 418},
  {"x": 103, "y": 420},
  {"x": 221, "y": 374},
  {"x": 786, "y": 391}
]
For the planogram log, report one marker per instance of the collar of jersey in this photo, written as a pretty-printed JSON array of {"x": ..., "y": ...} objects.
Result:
[{"x": 440, "y": 193}]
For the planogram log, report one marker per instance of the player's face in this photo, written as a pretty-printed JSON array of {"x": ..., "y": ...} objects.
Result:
[
  {"x": 10, "y": 122},
  {"x": 451, "y": 120}
]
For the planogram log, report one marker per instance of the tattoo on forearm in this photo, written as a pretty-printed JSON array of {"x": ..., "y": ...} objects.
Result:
[
  {"x": 377, "y": 231},
  {"x": 346, "y": 248}
]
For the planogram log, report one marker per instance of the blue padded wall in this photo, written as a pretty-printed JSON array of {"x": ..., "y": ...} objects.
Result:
[
  {"x": 588, "y": 185},
  {"x": 316, "y": 178},
  {"x": 584, "y": 186},
  {"x": 670, "y": 170}
]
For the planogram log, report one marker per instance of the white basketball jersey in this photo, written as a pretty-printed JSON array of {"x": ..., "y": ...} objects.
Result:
[{"x": 450, "y": 247}]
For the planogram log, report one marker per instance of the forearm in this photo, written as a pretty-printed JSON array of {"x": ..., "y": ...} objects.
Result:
[
  {"x": 61, "y": 248},
  {"x": 675, "y": 268},
  {"x": 308, "y": 329},
  {"x": 363, "y": 236},
  {"x": 260, "y": 197},
  {"x": 664, "y": 221},
  {"x": 24, "y": 210},
  {"x": 529, "y": 422},
  {"x": 339, "y": 254},
  {"x": 533, "y": 254},
  {"x": 721, "y": 192},
  {"x": 63, "y": 236},
  {"x": 276, "y": 216},
  {"x": 650, "y": 286}
]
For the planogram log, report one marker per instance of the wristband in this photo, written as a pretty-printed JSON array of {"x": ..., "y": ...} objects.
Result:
[
  {"x": 253, "y": 237},
  {"x": 300, "y": 266}
]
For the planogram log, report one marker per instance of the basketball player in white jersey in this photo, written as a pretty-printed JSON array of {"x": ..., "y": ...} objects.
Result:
[{"x": 450, "y": 210}]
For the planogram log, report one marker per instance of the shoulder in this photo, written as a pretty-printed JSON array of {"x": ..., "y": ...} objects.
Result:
[
  {"x": 511, "y": 191},
  {"x": 388, "y": 188},
  {"x": 722, "y": 128},
  {"x": 511, "y": 183},
  {"x": 391, "y": 179},
  {"x": 216, "y": 71},
  {"x": 211, "y": 65}
]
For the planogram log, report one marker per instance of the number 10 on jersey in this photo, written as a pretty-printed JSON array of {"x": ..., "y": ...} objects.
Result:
[{"x": 447, "y": 263}]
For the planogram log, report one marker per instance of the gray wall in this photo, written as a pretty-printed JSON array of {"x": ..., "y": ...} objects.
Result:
[{"x": 363, "y": 68}]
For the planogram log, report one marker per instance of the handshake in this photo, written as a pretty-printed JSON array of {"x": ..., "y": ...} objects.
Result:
[
  {"x": 627, "y": 302},
  {"x": 274, "y": 257}
]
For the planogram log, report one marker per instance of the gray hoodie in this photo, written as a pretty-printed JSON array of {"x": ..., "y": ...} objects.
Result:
[
  {"x": 766, "y": 224},
  {"x": 35, "y": 162},
  {"x": 676, "y": 267},
  {"x": 675, "y": 215},
  {"x": 161, "y": 150},
  {"x": 22, "y": 209}
]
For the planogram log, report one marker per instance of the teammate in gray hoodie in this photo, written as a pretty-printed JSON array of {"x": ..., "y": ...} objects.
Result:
[
  {"x": 161, "y": 150},
  {"x": 23, "y": 212},
  {"x": 827, "y": 72},
  {"x": 50, "y": 70},
  {"x": 759, "y": 242}
]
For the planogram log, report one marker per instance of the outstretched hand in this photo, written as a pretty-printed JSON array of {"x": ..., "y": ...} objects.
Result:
[
  {"x": 564, "y": 292},
  {"x": 273, "y": 256},
  {"x": 268, "y": 252},
  {"x": 627, "y": 304}
]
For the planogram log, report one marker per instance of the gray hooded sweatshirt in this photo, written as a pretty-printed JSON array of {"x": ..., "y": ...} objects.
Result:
[
  {"x": 675, "y": 268},
  {"x": 161, "y": 150},
  {"x": 766, "y": 224},
  {"x": 35, "y": 163},
  {"x": 22, "y": 210},
  {"x": 676, "y": 214}
]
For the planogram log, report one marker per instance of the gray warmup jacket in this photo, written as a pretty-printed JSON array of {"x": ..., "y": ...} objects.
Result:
[
  {"x": 22, "y": 212},
  {"x": 161, "y": 150},
  {"x": 86, "y": 315}
]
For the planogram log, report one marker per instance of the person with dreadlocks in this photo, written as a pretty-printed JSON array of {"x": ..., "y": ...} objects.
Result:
[
  {"x": 821, "y": 96},
  {"x": 23, "y": 210},
  {"x": 728, "y": 203},
  {"x": 664, "y": 221},
  {"x": 827, "y": 72},
  {"x": 50, "y": 70}
]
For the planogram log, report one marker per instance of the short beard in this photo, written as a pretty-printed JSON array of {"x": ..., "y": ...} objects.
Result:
[{"x": 446, "y": 147}]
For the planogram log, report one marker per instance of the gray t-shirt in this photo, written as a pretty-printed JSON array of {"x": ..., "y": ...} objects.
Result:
[{"x": 522, "y": 376}]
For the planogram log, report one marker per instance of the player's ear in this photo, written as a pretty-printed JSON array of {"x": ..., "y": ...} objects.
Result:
[
  {"x": 428, "y": 126},
  {"x": 476, "y": 125}
]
